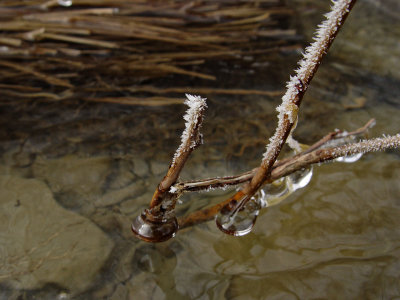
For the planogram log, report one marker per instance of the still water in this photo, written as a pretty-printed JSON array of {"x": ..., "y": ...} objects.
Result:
[{"x": 72, "y": 180}]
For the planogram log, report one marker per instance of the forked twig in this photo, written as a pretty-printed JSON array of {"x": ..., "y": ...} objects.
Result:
[
  {"x": 158, "y": 223},
  {"x": 293, "y": 164},
  {"x": 223, "y": 182},
  {"x": 291, "y": 101}
]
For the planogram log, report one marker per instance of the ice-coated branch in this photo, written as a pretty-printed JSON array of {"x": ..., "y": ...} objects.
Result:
[
  {"x": 191, "y": 136},
  {"x": 190, "y": 139},
  {"x": 158, "y": 223},
  {"x": 223, "y": 182},
  {"x": 296, "y": 87},
  {"x": 372, "y": 145},
  {"x": 298, "y": 162},
  {"x": 298, "y": 84},
  {"x": 328, "y": 154}
]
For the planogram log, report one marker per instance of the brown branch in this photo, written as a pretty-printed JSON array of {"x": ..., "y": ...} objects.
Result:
[
  {"x": 292, "y": 165},
  {"x": 158, "y": 223},
  {"x": 222, "y": 182},
  {"x": 296, "y": 89},
  {"x": 191, "y": 138}
]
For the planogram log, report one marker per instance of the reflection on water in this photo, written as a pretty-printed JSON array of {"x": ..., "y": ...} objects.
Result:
[{"x": 72, "y": 181}]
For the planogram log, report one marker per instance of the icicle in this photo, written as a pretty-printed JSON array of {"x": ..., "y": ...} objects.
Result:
[{"x": 276, "y": 191}]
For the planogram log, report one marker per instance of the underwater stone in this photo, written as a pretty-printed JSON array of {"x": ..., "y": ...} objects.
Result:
[
  {"x": 42, "y": 243},
  {"x": 141, "y": 168}
]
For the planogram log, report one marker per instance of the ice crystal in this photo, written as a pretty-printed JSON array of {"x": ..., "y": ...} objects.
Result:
[
  {"x": 295, "y": 145},
  {"x": 373, "y": 145},
  {"x": 65, "y": 3},
  {"x": 173, "y": 189},
  {"x": 193, "y": 116},
  {"x": 326, "y": 30},
  {"x": 307, "y": 66}
]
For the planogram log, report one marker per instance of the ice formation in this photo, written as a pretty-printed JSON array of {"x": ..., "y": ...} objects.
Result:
[
  {"x": 307, "y": 66},
  {"x": 193, "y": 116},
  {"x": 373, "y": 145}
]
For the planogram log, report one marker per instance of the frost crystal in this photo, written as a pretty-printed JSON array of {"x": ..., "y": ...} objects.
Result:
[
  {"x": 293, "y": 143},
  {"x": 193, "y": 116},
  {"x": 326, "y": 30},
  {"x": 307, "y": 66},
  {"x": 373, "y": 145}
]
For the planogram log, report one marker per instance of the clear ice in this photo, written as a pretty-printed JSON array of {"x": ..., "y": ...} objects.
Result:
[
  {"x": 299, "y": 179},
  {"x": 349, "y": 158},
  {"x": 239, "y": 222},
  {"x": 65, "y": 3}
]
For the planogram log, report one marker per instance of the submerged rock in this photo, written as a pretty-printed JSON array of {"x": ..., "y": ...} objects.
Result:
[
  {"x": 42, "y": 243},
  {"x": 77, "y": 182}
]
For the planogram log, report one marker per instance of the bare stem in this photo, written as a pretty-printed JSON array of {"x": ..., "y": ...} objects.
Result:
[
  {"x": 296, "y": 88},
  {"x": 296, "y": 163},
  {"x": 223, "y": 182},
  {"x": 190, "y": 139}
]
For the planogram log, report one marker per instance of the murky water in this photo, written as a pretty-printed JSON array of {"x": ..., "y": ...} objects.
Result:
[{"x": 72, "y": 180}]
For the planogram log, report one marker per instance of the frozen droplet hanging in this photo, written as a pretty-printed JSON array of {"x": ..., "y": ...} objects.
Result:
[
  {"x": 276, "y": 191},
  {"x": 300, "y": 178},
  {"x": 236, "y": 220},
  {"x": 153, "y": 228}
]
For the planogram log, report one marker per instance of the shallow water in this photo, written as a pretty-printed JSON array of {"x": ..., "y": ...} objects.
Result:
[{"x": 72, "y": 180}]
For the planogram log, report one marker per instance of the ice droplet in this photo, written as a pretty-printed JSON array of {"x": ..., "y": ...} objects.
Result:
[
  {"x": 65, "y": 3},
  {"x": 151, "y": 228},
  {"x": 276, "y": 191},
  {"x": 236, "y": 221},
  {"x": 63, "y": 296},
  {"x": 350, "y": 158},
  {"x": 300, "y": 178}
]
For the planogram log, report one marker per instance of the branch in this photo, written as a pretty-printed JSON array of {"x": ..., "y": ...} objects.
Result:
[
  {"x": 294, "y": 164},
  {"x": 223, "y": 182},
  {"x": 190, "y": 139},
  {"x": 296, "y": 88},
  {"x": 158, "y": 223}
]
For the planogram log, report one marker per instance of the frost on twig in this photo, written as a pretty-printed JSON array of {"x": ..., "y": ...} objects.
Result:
[
  {"x": 308, "y": 65},
  {"x": 191, "y": 136},
  {"x": 292, "y": 164},
  {"x": 372, "y": 145}
]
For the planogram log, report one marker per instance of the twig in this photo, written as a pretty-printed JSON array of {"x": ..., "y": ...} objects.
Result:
[
  {"x": 190, "y": 139},
  {"x": 149, "y": 228},
  {"x": 158, "y": 223},
  {"x": 223, "y": 182},
  {"x": 296, "y": 88},
  {"x": 28, "y": 70},
  {"x": 294, "y": 164}
]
